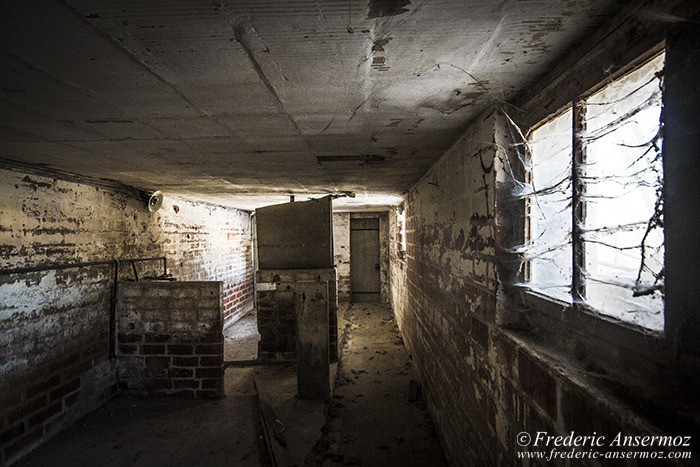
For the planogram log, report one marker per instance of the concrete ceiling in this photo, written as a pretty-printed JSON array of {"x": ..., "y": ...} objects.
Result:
[{"x": 245, "y": 102}]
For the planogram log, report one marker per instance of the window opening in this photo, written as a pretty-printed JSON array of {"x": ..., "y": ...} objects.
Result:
[
  {"x": 594, "y": 201},
  {"x": 549, "y": 203},
  {"x": 623, "y": 226}
]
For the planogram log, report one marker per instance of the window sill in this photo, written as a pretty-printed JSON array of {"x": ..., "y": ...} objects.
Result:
[
  {"x": 614, "y": 356},
  {"x": 600, "y": 321}
]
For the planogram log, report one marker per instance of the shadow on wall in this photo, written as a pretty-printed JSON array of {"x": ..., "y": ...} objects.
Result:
[
  {"x": 170, "y": 338},
  {"x": 55, "y": 325}
]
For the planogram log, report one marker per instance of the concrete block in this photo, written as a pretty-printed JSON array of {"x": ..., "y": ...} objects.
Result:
[{"x": 313, "y": 364}]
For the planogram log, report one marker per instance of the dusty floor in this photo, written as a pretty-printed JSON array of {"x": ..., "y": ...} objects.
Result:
[
  {"x": 163, "y": 431},
  {"x": 294, "y": 426},
  {"x": 241, "y": 339},
  {"x": 370, "y": 420}
]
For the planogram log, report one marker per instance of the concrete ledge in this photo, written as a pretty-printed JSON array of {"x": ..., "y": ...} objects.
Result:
[{"x": 295, "y": 275}]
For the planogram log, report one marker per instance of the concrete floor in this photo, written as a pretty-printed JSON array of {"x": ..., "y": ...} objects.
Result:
[
  {"x": 159, "y": 432},
  {"x": 241, "y": 339},
  {"x": 163, "y": 431},
  {"x": 370, "y": 419}
]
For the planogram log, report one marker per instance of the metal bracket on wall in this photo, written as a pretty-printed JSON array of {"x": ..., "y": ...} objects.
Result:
[{"x": 115, "y": 280}]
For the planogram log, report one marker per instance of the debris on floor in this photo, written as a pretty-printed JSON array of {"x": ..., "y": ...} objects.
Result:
[{"x": 376, "y": 415}]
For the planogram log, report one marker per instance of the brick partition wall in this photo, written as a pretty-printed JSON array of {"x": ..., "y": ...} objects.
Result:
[
  {"x": 170, "y": 338},
  {"x": 276, "y": 296},
  {"x": 55, "y": 324}
]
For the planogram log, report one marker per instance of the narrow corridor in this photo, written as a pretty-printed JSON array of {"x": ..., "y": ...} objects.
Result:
[{"x": 372, "y": 419}]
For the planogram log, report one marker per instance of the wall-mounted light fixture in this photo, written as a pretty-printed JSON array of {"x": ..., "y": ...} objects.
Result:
[{"x": 154, "y": 200}]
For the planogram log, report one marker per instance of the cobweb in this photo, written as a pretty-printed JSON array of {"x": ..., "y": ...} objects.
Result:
[{"x": 622, "y": 223}]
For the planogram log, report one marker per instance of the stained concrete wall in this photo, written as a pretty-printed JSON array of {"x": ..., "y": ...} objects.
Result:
[
  {"x": 170, "y": 338},
  {"x": 488, "y": 375},
  {"x": 54, "y": 325}
]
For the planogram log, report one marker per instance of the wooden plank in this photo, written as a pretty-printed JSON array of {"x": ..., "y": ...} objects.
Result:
[{"x": 273, "y": 439}]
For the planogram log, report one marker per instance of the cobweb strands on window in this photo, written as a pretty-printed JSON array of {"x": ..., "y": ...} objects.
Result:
[
  {"x": 549, "y": 208},
  {"x": 623, "y": 172},
  {"x": 622, "y": 217}
]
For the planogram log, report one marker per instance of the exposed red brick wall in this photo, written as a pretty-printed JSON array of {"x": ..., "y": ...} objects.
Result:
[
  {"x": 170, "y": 338},
  {"x": 54, "y": 325}
]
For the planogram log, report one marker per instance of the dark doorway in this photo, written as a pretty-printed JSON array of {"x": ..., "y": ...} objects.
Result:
[{"x": 364, "y": 260}]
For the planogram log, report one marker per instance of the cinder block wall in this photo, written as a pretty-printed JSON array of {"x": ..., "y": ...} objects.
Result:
[
  {"x": 54, "y": 325},
  {"x": 170, "y": 339}
]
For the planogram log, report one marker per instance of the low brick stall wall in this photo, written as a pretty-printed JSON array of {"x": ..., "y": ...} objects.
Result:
[{"x": 170, "y": 338}]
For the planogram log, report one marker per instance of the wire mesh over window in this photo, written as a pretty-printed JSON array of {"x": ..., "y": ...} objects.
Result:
[{"x": 620, "y": 225}]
